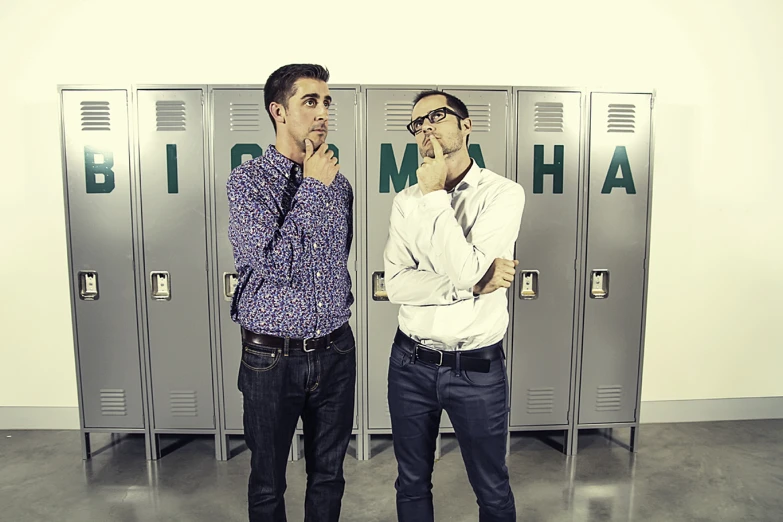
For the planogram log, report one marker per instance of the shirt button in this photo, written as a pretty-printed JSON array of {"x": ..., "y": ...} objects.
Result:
[
  {"x": 318, "y": 332},
  {"x": 320, "y": 304},
  {"x": 318, "y": 274},
  {"x": 315, "y": 245}
]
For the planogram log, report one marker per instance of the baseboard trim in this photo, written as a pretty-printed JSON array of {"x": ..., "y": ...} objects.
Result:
[
  {"x": 652, "y": 412},
  {"x": 39, "y": 418},
  {"x": 706, "y": 410}
]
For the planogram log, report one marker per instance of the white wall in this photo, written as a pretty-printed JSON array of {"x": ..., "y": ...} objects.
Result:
[{"x": 715, "y": 285}]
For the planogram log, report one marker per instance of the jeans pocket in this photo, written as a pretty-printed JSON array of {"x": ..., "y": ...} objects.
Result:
[
  {"x": 260, "y": 358},
  {"x": 494, "y": 377},
  {"x": 344, "y": 345}
]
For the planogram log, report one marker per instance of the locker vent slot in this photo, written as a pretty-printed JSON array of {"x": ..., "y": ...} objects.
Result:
[
  {"x": 397, "y": 115},
  {"x": 114, "y": 403},
  {"x": 183, "y": 404},
  {"x": 540, "y": 400},
  {"x": 333, "y": 117},
  {"x": 609, "y": 398},
  {"x": 622, "y": 117},
  {"x": 245, "y": 117},
  {"x": 96, "y": 116},
  {"x": 170, "y": 115},
  {"x": 480, "y": 115},
  {"x": 548, "y": 117}
]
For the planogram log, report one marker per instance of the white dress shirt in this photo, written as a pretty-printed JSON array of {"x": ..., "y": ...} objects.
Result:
[{"x": 440, "y": 245}]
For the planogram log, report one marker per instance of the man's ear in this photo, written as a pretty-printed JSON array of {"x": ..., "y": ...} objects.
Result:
[
  {"x": 467, "y": 126},
  {"x": 278, "y": 112}
]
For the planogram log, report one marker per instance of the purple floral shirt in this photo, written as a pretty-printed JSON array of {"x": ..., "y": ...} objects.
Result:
[{"x": 291, "y": 237}]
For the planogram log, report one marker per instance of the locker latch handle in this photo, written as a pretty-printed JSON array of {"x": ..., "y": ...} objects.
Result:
[
  {"x": 599, "y": 284},
  {"x": 528, "y": 284},
  {"x": 379, "y": 287},
  {"x": 230, "y": 280},
  {"x": 161, "y": 286},
  {"x": 88, "y": 285}
]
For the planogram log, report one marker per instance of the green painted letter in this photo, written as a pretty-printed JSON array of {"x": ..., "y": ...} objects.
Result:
[
  {"x": 540, "y": 168},
  {"x": 242, "y": 149},
  {"x": 389, "y": 170},
  {"x": 98, "y": 162},
  {"x": 336, "y": 151},
  {"x": 474, "y": 151},
  {"x": 619, "y": 161}
]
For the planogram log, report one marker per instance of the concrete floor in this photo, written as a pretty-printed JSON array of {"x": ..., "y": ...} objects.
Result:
[{"x": 730, "y": 471}]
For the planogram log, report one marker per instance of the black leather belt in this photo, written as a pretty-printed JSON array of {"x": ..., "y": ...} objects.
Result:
[
  {"x": 307, "y": 345},
  {"x": 474, "y": 360}
]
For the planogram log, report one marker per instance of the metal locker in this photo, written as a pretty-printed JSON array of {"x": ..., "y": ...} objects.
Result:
[
  {"x": 174, "y": 222},
  {"x": 98, "y": 197},
  {"x": 548, "y": 167},
  {"x": 342, "y": 139},
  {"x": 617, "y": 240},
  {"x": 392, "y": 157},
  {"x": 241, "y": 130},
  {"x": 489, "y": 112}
]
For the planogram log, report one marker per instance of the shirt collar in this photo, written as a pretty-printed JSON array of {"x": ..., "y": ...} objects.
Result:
[
  {"x": 471, "y": 179},
  {"x": 285, "y": 166}
]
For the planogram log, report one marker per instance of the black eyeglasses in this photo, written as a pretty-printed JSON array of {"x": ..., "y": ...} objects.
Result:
[{"x": 434, "y": 116}]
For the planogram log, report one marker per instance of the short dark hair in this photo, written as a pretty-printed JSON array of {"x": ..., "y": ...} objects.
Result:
[
  {"x": 279, "y": 87},
  {"x": 452, "y": 102}
]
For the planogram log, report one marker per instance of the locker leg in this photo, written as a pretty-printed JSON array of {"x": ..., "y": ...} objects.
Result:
[
  {"x": 154, "y": 445},
  {"x": 220, "y": 447},
  {"x": 86, "y": 451},
  {"x": 360, "y": 447},
  {"x": 294, "y": 454},
  {"x": 365, "y": 455},
  {"x": 634, "y": 439},
  {"x": 437, "y": 447},
  {"x": 508, "y": 444},
  {"x": 572, "y": 442}
]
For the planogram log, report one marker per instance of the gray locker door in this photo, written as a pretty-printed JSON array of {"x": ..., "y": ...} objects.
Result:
[
  {"x": 342, "y": 138},
  {"x": 241, "y": 131},
  {"x": 548, "y": 138},
  {"x": 616, "y": 251},
  {"x": 392, "y": 156},
  {"x": 101, "y": 248},
  {"x": 489, "y": 113},
  {"x": 171, "y": 170}
]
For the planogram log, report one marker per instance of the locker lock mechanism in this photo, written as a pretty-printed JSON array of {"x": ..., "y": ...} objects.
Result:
[
  {"x": 229, "y": 285},
  {"x": 599, "y": 284},
  {"x": 379, "y": 287},
  {"x": 161, "y": 286},
  {"x": 529, "y": 284},
  {"x": 88, "y": 285}
]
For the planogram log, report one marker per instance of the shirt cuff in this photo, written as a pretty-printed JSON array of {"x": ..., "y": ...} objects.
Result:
[
  {"x": 313, "y": 196},
  {"x": 436, "y": 200}
]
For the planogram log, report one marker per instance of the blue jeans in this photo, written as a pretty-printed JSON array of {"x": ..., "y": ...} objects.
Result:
[
  {"x": 319, "y": 386},
  {"x": 477, "y": 404}
]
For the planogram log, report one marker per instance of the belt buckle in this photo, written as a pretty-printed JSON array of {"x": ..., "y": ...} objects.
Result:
[
  {"x": 304, "y": 344},
  {"x": 440, "y": 352}
]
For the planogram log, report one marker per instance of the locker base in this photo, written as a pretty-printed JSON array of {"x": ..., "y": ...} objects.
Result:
[
  {"x": 156, "y": 451},
  {"x": 607, "y": 431},
  {"x": 116, "y": 438}
]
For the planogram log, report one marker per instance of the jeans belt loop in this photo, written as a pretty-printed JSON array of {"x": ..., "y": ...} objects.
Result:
[
  {"x": 456, "y": 366},
  {"x": 285, "y": 347}
]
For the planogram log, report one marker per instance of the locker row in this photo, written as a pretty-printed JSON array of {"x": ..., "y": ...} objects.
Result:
[{"x": 152, "y": 269}]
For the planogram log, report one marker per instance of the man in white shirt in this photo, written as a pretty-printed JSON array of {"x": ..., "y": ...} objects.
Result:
[{"x": 448, "y": 262}]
